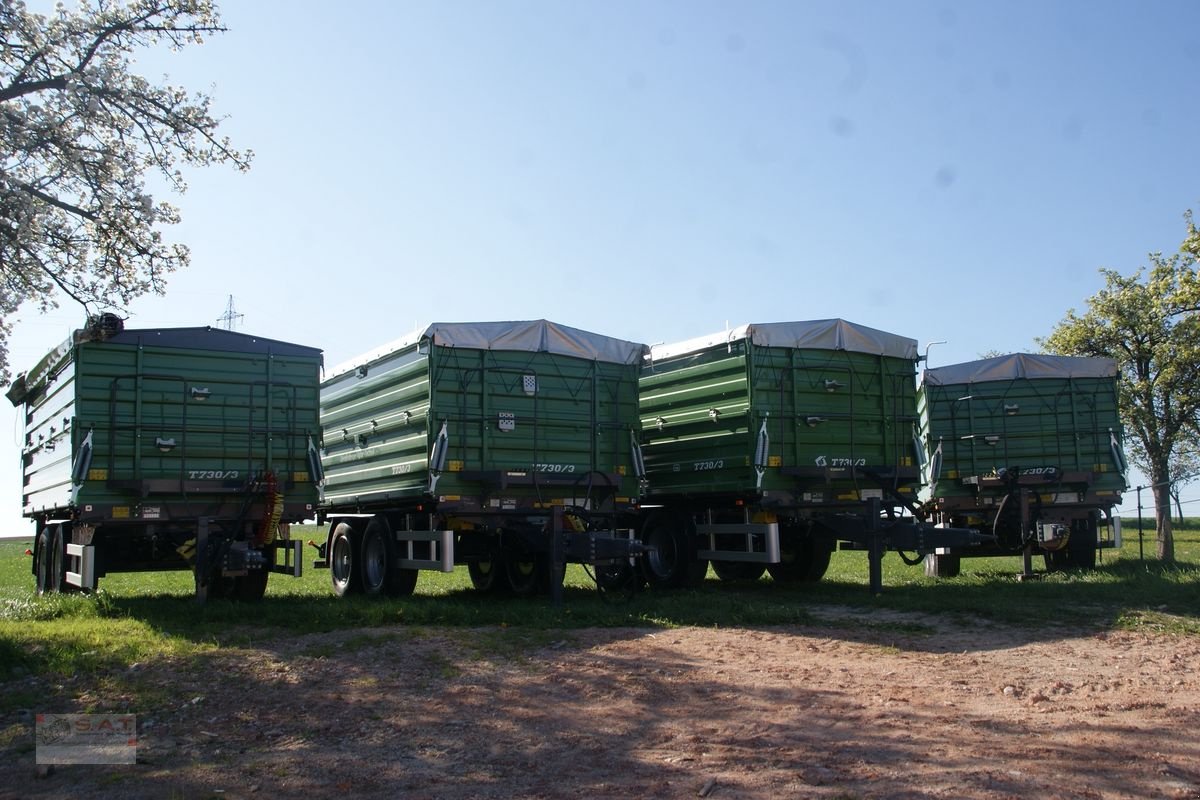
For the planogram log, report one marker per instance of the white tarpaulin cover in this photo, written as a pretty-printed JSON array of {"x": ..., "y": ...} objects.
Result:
[
  {"x": 538, "y": 336},
  {"x": 1021, "y": 365},
  {"x": 821, "y": 334}
]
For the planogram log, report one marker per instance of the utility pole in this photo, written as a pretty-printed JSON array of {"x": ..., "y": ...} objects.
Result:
[{"x": 231, "y": 317}]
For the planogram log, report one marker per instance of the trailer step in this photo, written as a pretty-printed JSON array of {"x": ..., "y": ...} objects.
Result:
[
  {"x": 83, "y": 558},
  {"x": 441, "y": 550},
  {"x": 293, "y": 557},
  {"x": 767, "y": 534}
]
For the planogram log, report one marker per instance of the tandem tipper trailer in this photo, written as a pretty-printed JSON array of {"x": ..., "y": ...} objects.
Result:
[
  {"x": 769, "y": 444},
  {"x": 165, "y": 449},
  {"x": 511, "y": 447},
  {"x": 1028, "y": 448}
]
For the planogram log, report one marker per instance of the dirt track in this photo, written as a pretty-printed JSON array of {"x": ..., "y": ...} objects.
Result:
[{"x": 906, "y": 707}]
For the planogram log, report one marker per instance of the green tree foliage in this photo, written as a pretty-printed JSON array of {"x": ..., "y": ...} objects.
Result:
[
  {"x": 1148, "y": 322},
  {"x": 80, "y": 132}
]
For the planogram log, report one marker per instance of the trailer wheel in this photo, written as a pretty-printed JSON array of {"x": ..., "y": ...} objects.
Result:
[
  {"x": 58, "y": 561},
  {"x": 488, "y": 576},
  {"x": 402, "y": 582},
  {"x": 41, "y": 565},
  {"x": 618, "y": 580},
  {"x": 527, "y": 574},
  {"x": 1056, "y": 560},
  {"x": 942, "y": 566},
  {"x": 671, "y": 560},
  {"x": 803, "y": 559},
  {"x": 343, "y": 561},
  {"x": 251, "y": 587},
  {"x": 218, "y": 588},
  {"x": 1081, "y": 558},
  {"x": 1081, "y": 547},
  {"x": 377, "y": 562},
  {"x": 225, "y": 587},
  {"x": 738, "y": 570},
  {"x": 822, "y": 552},
  {"x": 376, "y": 553}
]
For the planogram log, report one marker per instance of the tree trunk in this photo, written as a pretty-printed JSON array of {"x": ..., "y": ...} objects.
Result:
[{"x": 1162, "y": 521}]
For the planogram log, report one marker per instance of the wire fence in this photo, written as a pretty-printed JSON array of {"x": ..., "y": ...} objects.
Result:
[{"x": 1129, "y": 505}]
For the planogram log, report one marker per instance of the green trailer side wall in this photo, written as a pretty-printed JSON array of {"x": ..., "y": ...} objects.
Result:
[
  {"x": 169, "y": 426},
  {"x": 376, "y": 428},
  {"x": 825, "y": 411},
  {"x": 1021, "y": 423},
  {"x": 544, "y": 425}
]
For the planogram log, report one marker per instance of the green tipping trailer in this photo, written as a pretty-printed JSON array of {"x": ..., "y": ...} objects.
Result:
[
  {"x": 169, "y": 448},
  {"x": 509, "y": 446},
  {"x": 767, "y": 444},
  {"x": 1027, "y": 448}
]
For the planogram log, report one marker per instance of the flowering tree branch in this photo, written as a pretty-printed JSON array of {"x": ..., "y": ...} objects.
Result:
[{"x": 79, "y": 133}]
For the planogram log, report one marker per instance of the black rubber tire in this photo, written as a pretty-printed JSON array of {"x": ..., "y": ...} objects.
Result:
[
  {"x": 1081, "y": 547},
  {"x": 671, "y": 562},
  {"x": 1071, "y": 559},
  {"x": 251, "y": 587},
  {"x": 343, "y": 560},
  {"x": 221, "y": 587},
  {"x": 1057, "y": 560},
  {"x": 379, "y": 551},
  {"x": 402, "y": 582},
  {"x": 1081, "y": 558},
  {"x": 379, "y": 574},
  {"x": 41, "y": 566},
  {"x": 822, "y": 552},
  {"x": 804, "y": 559},
  {"x": 618, "y": 579},
  {"x": 527, "y": 575},
  {"x": 488, "y": 576},
  {"x": 58, "y": 561},
  {"x": 942, "y": 566},
  {"x": 376, "y": 552},
  {"x": 735, "y": 571}
]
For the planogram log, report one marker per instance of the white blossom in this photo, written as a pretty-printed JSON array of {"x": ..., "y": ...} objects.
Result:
[{"x": 79, "y": 131}]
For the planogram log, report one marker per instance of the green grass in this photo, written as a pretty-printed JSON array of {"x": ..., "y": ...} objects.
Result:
[{"x": 145, "y": 616}]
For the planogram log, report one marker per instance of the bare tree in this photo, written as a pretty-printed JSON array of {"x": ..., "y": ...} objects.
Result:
[{"x": 79, "y": 133}]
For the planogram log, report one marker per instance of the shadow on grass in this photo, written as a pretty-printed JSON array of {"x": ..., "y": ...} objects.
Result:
[
  {"x": 1086, "y": 600},
  {"x": 1097, "y": 597},
  {"x": 1124, "y": 593}
]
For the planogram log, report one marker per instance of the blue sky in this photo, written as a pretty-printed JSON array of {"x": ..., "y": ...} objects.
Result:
[{"x": 652, "y": 170}]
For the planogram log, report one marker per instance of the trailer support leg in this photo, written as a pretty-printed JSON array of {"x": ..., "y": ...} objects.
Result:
[
  {"x": 876, "y": 549},
  {"x": 876, "y": 559},
  {"x": 201, "y": 568},
  {"x": 1027, "y": 552},
  {"x": 558, "y": 564},
  {"x": 1027, "y": 573}
]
